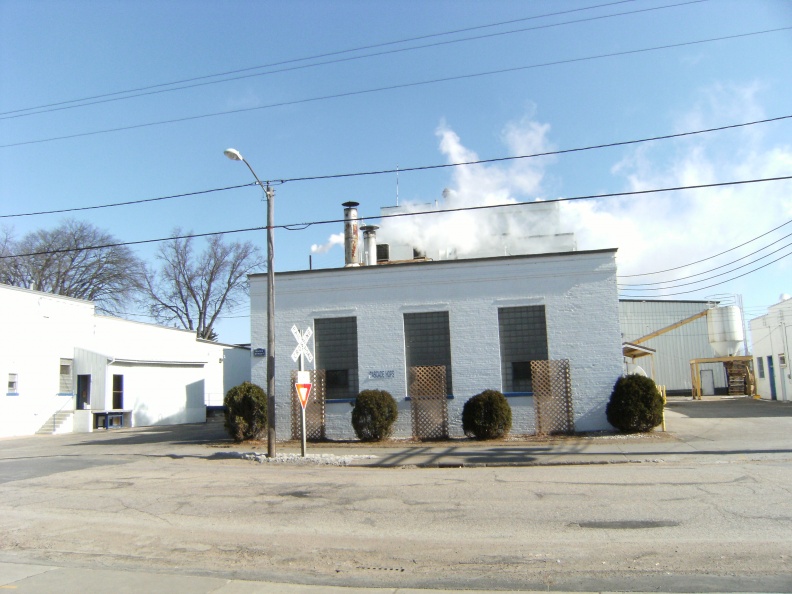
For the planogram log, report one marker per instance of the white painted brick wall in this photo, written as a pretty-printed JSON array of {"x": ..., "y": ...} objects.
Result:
[{"x": 578, "y": 290}]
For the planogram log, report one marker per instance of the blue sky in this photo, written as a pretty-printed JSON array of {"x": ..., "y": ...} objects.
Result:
[{"x": 568, "y": 85}]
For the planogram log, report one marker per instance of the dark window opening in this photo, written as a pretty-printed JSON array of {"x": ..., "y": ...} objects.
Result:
[
  {"x": 118, "y": 391},
  {"x": 523, "y": 338},
  {"x": 521, "y": 376},
  {"x": 336, "y": 344},
  {"x": 427, "y": 341},
  {"x": 83, "y": 391},
  {"x": 337, "y": 379}
]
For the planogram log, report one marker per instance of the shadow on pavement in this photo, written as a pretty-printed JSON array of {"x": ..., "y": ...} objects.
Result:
[{"x": 193, "y": 434}]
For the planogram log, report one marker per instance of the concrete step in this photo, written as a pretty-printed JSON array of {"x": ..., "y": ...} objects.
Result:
[{"x": 55, "y": 422}]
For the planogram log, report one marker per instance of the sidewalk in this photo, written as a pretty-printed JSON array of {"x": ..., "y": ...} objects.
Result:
[{"x": 714, "y": 430}]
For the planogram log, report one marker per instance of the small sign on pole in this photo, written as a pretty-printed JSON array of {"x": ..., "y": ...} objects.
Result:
[{"x": 303, "y": 387}]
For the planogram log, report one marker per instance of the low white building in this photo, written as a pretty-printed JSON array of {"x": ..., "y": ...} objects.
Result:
[
  {"x": 68, "y": 369},
  {"x": 482, "y": 319},
  {"x": 771, "y": 335}
]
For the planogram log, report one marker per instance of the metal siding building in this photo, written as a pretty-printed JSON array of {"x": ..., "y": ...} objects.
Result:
[{"x": 676, "y": 348}]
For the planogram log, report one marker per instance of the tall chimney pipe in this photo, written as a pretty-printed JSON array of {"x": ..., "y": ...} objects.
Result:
[
  {"x": 369, "y": 244},
  {"x": 351, "y": 254}
]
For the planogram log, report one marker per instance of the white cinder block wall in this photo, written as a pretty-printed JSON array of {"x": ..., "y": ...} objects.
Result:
[{"x": 578, "y": 290}]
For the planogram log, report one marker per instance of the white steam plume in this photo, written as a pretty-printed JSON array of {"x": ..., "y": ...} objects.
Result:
[
  {"x": 335, "y": 239},
  {"x": 483, "y": 232}
]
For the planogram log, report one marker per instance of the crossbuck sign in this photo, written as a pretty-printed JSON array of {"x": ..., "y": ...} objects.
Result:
[{"x": 302, "y": 344}]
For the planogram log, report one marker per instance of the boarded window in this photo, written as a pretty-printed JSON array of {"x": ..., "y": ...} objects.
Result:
[
  {"x": 427, "y": 341},
  {"x": 523, "y": 338},
  {"x": 337, "y": 353},
  {"x": 66, "y": 385}
]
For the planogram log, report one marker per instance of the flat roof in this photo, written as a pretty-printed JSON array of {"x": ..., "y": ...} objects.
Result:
[{"x": 457, "y": 262}]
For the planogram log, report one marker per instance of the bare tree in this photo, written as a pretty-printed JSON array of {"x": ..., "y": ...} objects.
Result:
[
  {"x": 69, "y": 260},
  {"x": 193, "y": 289}
]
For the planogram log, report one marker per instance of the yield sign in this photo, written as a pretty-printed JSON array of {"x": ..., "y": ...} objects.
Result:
[{"x": 303, "y": 385}]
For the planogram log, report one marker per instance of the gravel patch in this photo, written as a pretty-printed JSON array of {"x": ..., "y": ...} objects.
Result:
[{"x": 308, "y": 460}]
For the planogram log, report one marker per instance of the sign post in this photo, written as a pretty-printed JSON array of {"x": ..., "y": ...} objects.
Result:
[
  {"x": 303, "y": 383},
  {"x": 303, "y": 386}
]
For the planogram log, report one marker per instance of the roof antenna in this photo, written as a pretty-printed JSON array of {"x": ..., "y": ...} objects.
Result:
[{"x": 397, "y": 185}]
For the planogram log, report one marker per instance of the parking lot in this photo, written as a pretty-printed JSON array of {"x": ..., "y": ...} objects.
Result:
[{"x": 704, "y": 507}]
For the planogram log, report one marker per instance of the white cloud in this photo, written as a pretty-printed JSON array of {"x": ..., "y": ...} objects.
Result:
[{"x": 660, "y": 231}]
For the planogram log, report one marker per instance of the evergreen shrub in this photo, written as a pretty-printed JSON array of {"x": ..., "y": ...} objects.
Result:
[
  {"x": 487, "y": 415},
  {"x": 636, "y": 405},
  {"x": 374, "y": 414},
  {"x": 245, "y": 408}
]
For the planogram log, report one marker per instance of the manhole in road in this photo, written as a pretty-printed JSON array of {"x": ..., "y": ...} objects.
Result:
[{"x": 628, "y": 524}]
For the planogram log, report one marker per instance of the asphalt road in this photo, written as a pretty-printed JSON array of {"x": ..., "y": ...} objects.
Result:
[{"x": 706, "y": 508}]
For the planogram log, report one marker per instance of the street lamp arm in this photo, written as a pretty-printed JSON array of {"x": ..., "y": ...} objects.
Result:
[{"x": 235, "y": 155}]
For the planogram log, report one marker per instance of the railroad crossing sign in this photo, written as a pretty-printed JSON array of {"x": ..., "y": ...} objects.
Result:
[
  {"x": 302, "y": 344},
  {"x": 303, "y": 386}
]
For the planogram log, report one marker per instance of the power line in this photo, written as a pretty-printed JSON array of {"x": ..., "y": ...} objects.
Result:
[
  {"x": 717, "y": 267},
  {"x": 392, "y": 87},
  {"x": 708, "y": 258},
  {"x": 431, "y": 167},
  {"x": 710, "y": 286},
  {"x": 145, "y": 91},
  {"x": 127, "y": 203},
  {"x": 305, "y": 225},
  {"x": 669, "y": 286},
  {"x": 534, "y": 155}
]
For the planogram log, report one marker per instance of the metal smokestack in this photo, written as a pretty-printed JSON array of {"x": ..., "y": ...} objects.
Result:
[
  {"x": 351, "y": 254},
  {"x": 369, "y": 244}
]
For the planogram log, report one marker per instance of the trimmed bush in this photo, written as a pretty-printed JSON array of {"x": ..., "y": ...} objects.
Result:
[
  {"x": 487, "y": 416},
  {"x": 636, "y": 405},
  {"x": 245, "y": 412},
  {"x": 374, "y": 414}
]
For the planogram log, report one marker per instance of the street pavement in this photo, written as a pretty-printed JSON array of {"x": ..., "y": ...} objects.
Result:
[{"x": 713, "y": 431}]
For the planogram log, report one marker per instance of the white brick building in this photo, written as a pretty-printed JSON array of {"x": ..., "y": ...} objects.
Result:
[
  {"x": 771, "y": 335},
  {"x": 67, "y": 368},
  {"x": 483, "y": 318}
]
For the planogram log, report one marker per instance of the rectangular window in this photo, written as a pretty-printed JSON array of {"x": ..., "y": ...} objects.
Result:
[
  {"x": 523, "y": 338},
  {"x": 118, "y": 392},
  {"x": 427, "y": 341},
  {"x": 336, "y": 345},
  {"x": 13, "y": 383},
  {"x": 782, "y": 359},
  {"x": 760, "y": 367},
  {"x": 66, "y": 385}
]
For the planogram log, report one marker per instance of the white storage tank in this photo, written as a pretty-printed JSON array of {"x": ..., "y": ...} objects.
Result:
[{"x": 724, "y": 325}]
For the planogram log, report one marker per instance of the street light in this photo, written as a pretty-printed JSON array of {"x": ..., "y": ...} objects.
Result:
[{"x": 235, "y": 155}]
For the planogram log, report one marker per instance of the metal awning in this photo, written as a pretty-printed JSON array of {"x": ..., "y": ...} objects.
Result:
[{"x": 633, "y": 351}]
